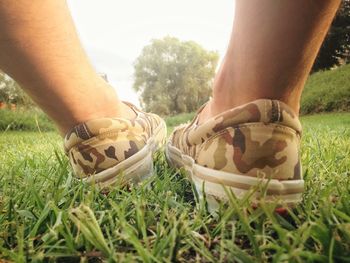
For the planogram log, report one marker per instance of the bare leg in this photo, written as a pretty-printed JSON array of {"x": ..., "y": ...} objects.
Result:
[
  {"x": 40, "y": 49},
  {"x": 272, "y": 48}
]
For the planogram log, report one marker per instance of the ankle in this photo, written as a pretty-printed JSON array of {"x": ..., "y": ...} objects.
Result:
[
  {"x": 226, "y": 96},
  {"x": 218, "y": 106},
  {"x": 234, "y": 87},
  {"x": 102, "y": 102}
]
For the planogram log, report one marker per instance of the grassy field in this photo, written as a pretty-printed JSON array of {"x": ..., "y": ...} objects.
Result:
[
  {"x": 46, "y": 215},
  {"x": 327, "y": 91},
  {"x": 24, "y": 119}
]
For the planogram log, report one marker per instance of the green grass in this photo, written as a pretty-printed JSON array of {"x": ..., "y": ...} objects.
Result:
[
  {"x": 327, "y": 91},
  {"x": 333, "y": 120},
  {"x": 173, "y": 121},
  {"x": 24, "y": 119},
  {"x": 47, "y": 215}
]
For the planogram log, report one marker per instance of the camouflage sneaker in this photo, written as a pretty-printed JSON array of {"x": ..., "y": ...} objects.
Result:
[
  {"x": 254, "y": 146},
  {"x": 101, "y": 149}
]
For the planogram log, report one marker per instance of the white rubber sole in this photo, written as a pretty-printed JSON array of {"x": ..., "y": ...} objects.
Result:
[
  {"x": 212, "y": 183},
  {"x": 134, "y": 169}
]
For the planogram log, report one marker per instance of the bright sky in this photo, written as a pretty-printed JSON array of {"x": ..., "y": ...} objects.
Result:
[{"x": 114, "y": 32}]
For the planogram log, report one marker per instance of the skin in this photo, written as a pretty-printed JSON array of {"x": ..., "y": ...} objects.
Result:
[
  {"x": 40, "y": 49},
  {"x": 272, "y": 48}
]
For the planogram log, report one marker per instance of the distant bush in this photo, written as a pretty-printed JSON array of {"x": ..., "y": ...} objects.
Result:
[
  {"x": 327, "y": 91},
  {"x": 25, "y": 120}
]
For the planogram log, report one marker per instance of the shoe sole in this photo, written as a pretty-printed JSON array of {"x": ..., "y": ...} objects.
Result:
[
  {"x": 134, "y": 169},
  {"x": 212, "y": 183}
]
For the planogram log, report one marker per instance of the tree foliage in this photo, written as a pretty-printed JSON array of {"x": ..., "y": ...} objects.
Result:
[
  {"x": 174, "y": 76},
  {"x": 10, "y": 92},
  {"x": 336, "y": 47}
]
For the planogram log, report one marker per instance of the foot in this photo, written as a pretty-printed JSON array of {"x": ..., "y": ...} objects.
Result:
[
  {"x": 247, "y": 147},
  {"x": 101, "y": 149}
]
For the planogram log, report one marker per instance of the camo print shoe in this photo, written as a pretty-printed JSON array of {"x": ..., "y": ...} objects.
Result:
[
  {"x": 102, "y": 149},
  {"x": 254, "y": 145}
]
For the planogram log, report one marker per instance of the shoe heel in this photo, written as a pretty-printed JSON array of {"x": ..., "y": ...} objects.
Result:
[{"x": 133, "y": 170}]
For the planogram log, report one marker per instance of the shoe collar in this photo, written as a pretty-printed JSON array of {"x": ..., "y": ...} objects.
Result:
[
  {"x": 259, "y": 111},
  {"x": 82, "y": 132}
]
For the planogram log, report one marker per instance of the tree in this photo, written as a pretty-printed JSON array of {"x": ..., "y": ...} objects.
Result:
[
  {"x": 10, "y": 92},
  {"x": 336, "y": 47},
  {"x": 173, "y": 76}
]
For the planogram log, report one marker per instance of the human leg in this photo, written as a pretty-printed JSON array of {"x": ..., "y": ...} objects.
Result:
[
  {"x": 271, "y": 51},
  {"x": 40, "y": 49},
  {"x": 248, "y": 136}
]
